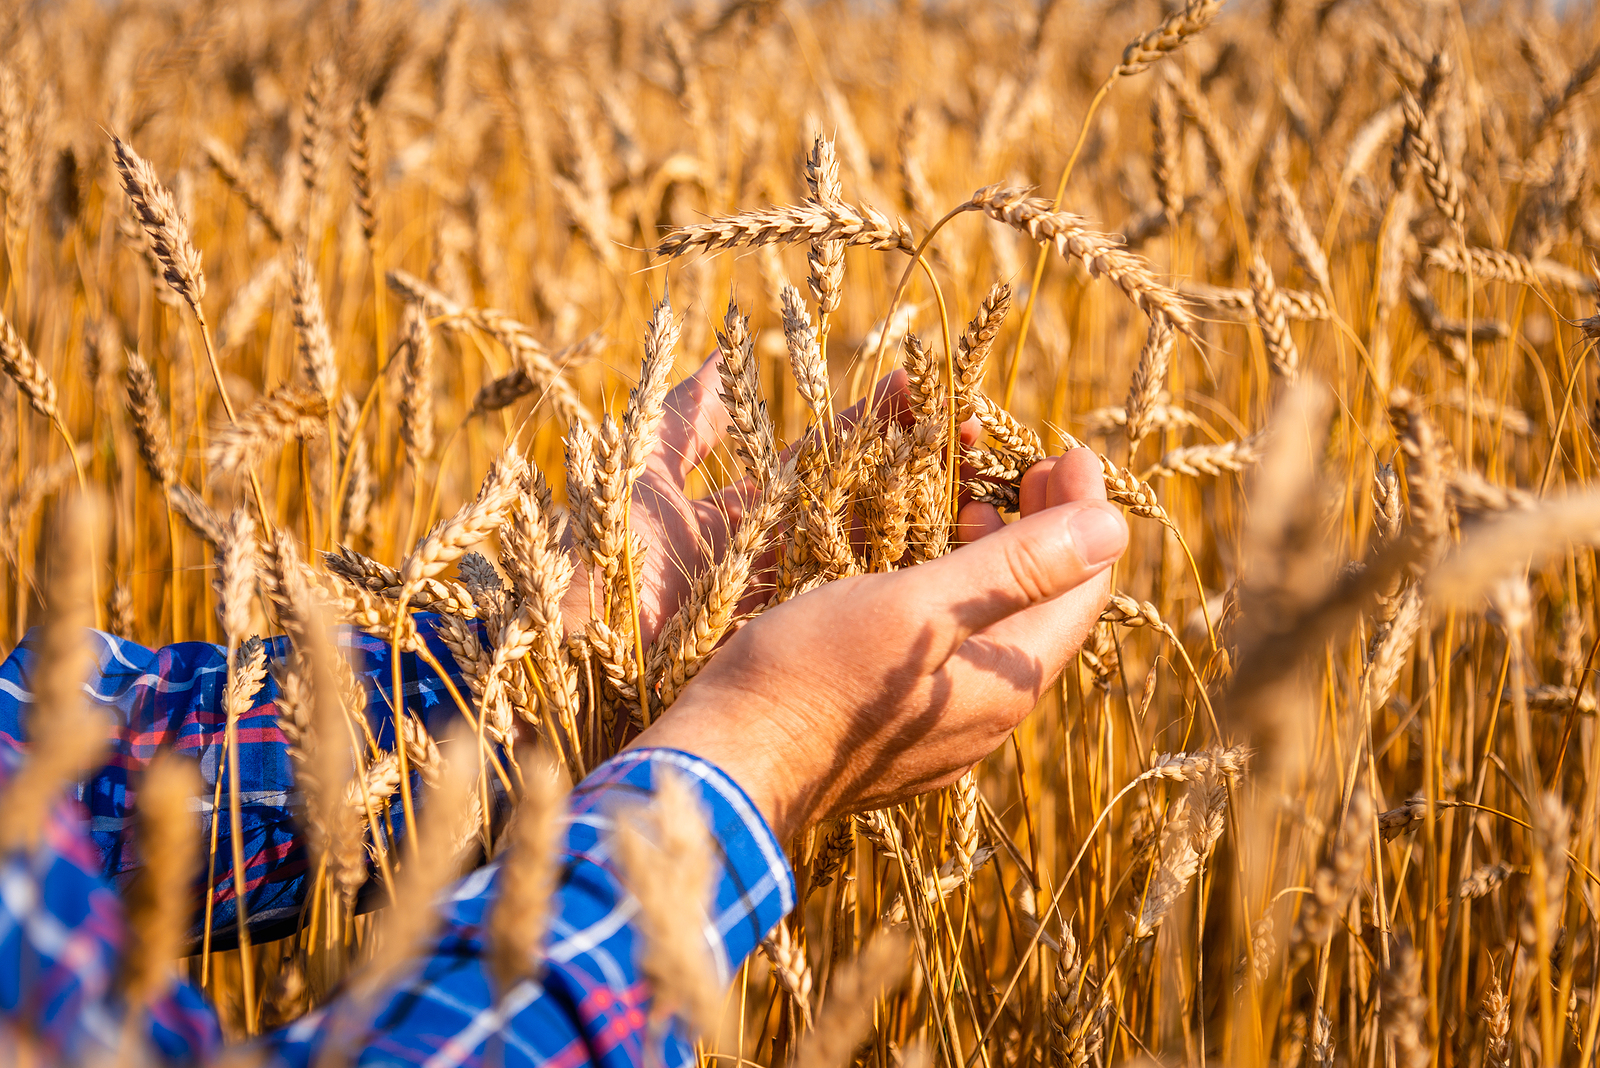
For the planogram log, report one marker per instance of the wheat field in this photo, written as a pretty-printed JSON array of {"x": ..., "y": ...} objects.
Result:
[{"x": 340, "y": 310}]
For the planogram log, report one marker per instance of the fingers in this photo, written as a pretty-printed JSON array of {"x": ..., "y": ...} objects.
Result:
[
  {"x": 1074, "y": 476},
  {"x": 693, "y": 423},
  {"x": 1032, "y": 561},
  {"x": 1045, "y": 635},
  {"x": 976, "y": 521}
]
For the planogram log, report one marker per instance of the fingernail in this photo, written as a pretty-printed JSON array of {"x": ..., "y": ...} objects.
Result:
[{"x": 1099, "y": 534}]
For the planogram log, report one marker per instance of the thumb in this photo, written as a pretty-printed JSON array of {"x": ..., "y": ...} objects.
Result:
[{"x": 1029, "y": 562}]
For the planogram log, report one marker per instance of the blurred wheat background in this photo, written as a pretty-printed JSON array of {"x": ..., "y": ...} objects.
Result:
[{"x": 1322, "y": 787}]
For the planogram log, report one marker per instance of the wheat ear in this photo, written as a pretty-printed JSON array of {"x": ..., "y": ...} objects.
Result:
[
  {"x": 158, "y": 901},
  {"x": 65, "y": 736}
]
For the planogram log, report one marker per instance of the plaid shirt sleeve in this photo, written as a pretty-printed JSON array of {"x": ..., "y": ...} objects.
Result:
[{"x": 61, "y": 923}]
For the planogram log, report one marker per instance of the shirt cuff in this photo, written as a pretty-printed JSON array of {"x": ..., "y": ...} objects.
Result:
[{"x": 754, "y": 885}]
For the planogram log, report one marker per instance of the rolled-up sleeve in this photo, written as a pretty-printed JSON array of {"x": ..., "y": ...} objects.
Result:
[
  {"x": 589, "y": 1003},
  {"x": 62, "y": 927}
]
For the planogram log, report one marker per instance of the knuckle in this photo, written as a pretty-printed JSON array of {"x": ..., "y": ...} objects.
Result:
[{"x": 1028, "y": 573}]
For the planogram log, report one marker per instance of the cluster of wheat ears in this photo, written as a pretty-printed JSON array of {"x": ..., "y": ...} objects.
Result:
[{"x": 1322, "y": 788}]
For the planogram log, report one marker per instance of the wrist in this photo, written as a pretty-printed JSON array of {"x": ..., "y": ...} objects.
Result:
[{"x": 766, "y": 767}]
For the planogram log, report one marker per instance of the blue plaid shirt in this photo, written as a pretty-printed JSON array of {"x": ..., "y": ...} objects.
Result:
[{"x": 61, "y": 926}]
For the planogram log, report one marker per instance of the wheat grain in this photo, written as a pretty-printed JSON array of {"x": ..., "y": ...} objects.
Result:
[
  {"x": 233, "y": 175},
  {"x": 1282, "y": 352},
  {"x": 1174, "y": 31},
  {"x": 1148, "y": 382},
  {"x": 1502, "y": 266},
  {"x": 289, "y": 413},
  {"x": 158, "y": 899},
  {"x": 66, "y": 737},
  {"x": 663, "y": 856},
  {"x": 318, "y": 362},
  {"x": 149, "y": 421},
  {"x": 1100, "y": 253},
  {"x": 165, "y": 225},
  {"x": 20, "y": 365},
  {"x": 528, "y": 875},
  {"x": 851, "y": 224}
]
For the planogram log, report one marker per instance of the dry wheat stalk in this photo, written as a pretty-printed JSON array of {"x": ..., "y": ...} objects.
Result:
[
  {"x": 196, "y": 512},
  {"x": 19, "y": 364},
  {"x": 416, "y": 386},
  {"x": 1428, "y": 467},
  {"x": 805, "y": 354},
  {"x": 1405, "y": 1009},
  {"x": 973, "y": 346},
  {"x": 542, "y": 371},
  {"x": 1174, "y": 30},
  {"x": 149, "y": 421},
  {"x": 313, "y": 719},
  {"x": 1180, "y": 862},
  {"x": 833, "y": 846},
  {"x": 529, "y": 868},
  {"x": 1391, "y": 647},
  {"x": 473, "y": 522},
  {"x": 238, "y": 560},
  {"x": 1218, "y": 141},
  {"x": 1165, "y": 150},
  {"x": 790, "y": 968},
  {"x": 852, "y": 224},
  {"x": 243, "y": 311},
  {"x": 1198, "y": 460},
  {"x": 233, "y": 175},
  {"x": 1499, "y": 265},
  {"x": 318, "y": 362},
  {"x": 1445, "y": 330},
  {"x": 1496, "y": 1012},
  {"x": 1148, "y": 382},
  {"x": 166, "y": 226},
  {"x": 316, "y": 120},
  {"x": 843, "y": 1019},
  {"x": 157, "y": 902},
  {"x": 24, "y": 502},
  {"x": 1295, "y": 304},
  {"x": 403, "y": 930},
  {"x": 288, "y": 413},
  {"x": 1297, "y": 231},
  {"x": 65, "y": 736},
  {"x": 1162, "y": 415},
  {"x": 361, "y": 168},
  {"x": 692, "y": 634},
  {"x": 825, "y": 257},
  {"x": 663, "y": 856},
  {"x": 1552, "y": 832},
  {"x": 1321, "y": 1045},
  {"x": 1440, "y": 179},
  {"x": 1281, "y": 349},
  {"x": 740, "y": 376},
  {"x": 1194, "y": 767},
  {"x": 1557, "y": 699},
  {"x": 1336, "y": 878},
  {"x": 1100, "y": 253}
]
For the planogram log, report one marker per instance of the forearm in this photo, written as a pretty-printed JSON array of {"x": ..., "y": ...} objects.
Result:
[
  {"x": 589, "y": 998},
  {"x": 172, "y": 698}
]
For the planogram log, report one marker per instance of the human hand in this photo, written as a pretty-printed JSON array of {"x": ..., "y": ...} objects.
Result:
[
  {"x": 685, "y": 535},
  {"x": 876, "y": 688}
]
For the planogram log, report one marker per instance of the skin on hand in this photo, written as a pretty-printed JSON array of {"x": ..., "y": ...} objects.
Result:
[
  {"x": 686, "y": 535},
  {"x": 876, "y": 688}
]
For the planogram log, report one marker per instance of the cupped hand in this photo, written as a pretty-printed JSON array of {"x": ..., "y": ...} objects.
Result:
[
  {"x": 876, "y": 688},
  {"x": 684, "y": 535}
]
